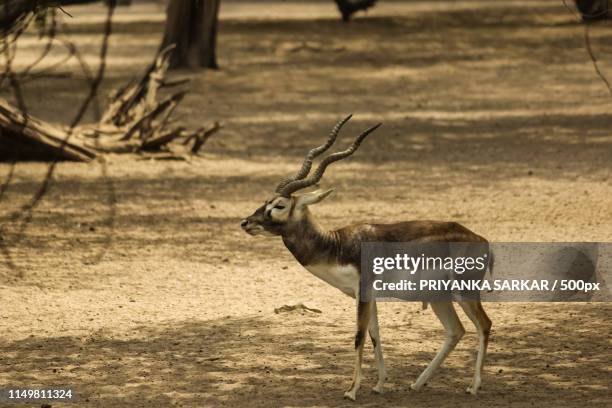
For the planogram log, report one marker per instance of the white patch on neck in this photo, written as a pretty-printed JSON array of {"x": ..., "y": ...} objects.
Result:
[{"x": 343, "y": 277}]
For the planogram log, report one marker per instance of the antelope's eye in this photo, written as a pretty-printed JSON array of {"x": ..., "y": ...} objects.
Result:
[{"x": 279, "y": 207}]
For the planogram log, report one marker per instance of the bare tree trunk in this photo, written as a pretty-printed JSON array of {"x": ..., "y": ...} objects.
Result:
[
  {"x": 349, "y": 7},
  {"x": 593, "y": 10},
  {"x": 191, "y": 25}
]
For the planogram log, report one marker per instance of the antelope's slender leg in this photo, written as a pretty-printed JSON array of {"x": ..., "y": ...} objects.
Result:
[
  {"x": 454, "y": 331},
  {"x": 363, "y": 319},
  {"x": 473, "y": 309},
  {"x": 378, "y": 353}
]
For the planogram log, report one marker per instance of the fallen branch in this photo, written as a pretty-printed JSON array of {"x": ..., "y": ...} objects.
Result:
[
  {"x": 202, "y": 138},
  {"x": 134, "y": 122}
]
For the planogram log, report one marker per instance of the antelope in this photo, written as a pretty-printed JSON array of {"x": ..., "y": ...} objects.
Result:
[{"x": 335, "y": 257}]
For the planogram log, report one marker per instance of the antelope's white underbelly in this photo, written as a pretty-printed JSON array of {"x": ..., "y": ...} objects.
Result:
[{"x": 343, "y": 277}]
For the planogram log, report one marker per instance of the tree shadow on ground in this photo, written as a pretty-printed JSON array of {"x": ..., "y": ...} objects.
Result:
[{"x": 286, "y": 361}]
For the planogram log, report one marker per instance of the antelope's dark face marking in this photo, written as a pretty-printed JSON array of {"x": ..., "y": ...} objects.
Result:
[
  {"x": 270, "y": 218},
  {"x": 279, "y": 213}
]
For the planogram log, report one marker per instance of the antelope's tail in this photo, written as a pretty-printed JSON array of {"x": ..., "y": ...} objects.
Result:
[
  {"x": 491, "y": 261},
  {"x": 491, "y": 265}
]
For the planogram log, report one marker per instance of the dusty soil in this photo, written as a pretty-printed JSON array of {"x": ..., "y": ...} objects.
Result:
[{"x": 133, "y": 284}]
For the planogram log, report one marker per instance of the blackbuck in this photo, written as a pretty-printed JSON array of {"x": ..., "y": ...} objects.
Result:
[{"x": 335, "y": 257}]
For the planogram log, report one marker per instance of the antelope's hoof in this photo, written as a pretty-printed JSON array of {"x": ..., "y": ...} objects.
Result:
[
  {"x": 350, "y": 395},
  {"x": 415, "y": 387},
  {"x": 378, "y": 389},
  {"x": 471, "y": 390}
]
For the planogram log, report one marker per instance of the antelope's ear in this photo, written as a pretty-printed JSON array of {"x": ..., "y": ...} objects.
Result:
[{"x": 313, "y": 197}]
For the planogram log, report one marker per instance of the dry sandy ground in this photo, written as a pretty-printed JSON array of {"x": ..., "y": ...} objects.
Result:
[{"x": 133, "y": 284}]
